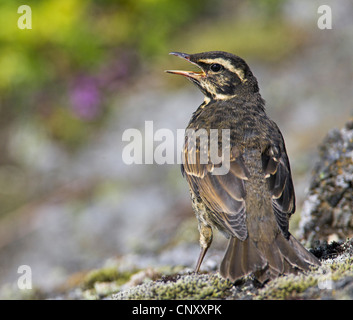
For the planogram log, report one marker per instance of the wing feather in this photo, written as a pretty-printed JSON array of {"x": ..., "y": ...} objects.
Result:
[
  {"x": 277, "y": 171},
  {"x": 224, "y": 194}
]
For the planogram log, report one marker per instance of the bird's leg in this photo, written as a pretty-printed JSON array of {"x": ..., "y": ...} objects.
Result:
[{"x": 205, "y": 242}]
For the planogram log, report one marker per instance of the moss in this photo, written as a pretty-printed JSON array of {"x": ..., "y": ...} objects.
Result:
[
  {"x": 341, "y": 268},
  {"x": 288, "y": 287},
  {"x": 318, "y": 281},
  {"x": 189, "y": 286},
  {"x": 332, "y": 280},
  {"x": 108, "y": 274}
]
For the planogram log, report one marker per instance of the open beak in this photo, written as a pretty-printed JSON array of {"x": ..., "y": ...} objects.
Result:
[{"x": 189, "y": 74}]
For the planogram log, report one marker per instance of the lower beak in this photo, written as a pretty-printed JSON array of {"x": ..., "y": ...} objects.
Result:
[{"x": 189, "y": 74}]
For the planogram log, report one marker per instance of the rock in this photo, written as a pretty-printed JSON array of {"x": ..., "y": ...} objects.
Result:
[
  {"x": 328, "y": 209},
  {"x": 187, "y": 286},
  {"x": 120, "y": 280},
  {"x": 332, "y": 280}
]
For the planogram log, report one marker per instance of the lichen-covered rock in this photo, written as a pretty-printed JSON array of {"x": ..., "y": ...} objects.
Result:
[
  {"x": 332, "y": 280},
  {"x": 328, "y": 210},
  {"x": 189, "y": 286}
]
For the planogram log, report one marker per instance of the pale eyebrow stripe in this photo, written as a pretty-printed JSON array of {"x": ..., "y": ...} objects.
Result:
[{"x": 226, "y": 64}]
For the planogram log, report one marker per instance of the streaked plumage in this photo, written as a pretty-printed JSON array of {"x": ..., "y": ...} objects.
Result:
[{"x": 252, "y": 203}]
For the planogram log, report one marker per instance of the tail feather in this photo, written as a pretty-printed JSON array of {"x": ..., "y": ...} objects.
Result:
[
  {"x": 241, "y": 259},
  {"x": 265, "y": 261},
  {"x": 296, "y": 254}
]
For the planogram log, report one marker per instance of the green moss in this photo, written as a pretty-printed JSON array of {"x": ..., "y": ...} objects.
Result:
[
  {"x": 310, "y": 284},
  {"x": 287, "y": 287},
  {"x": 190, "y": 286},
  {"x": 338, "y": 269},
  {"x": 109, "y": 274},
  {"x": 332, "y": 280}
]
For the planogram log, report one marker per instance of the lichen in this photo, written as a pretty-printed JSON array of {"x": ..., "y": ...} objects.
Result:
[
  {"x": 108, "y": 274},
  {"x": 190, "y": 286},
  {"x": 327, "y": 210},
  {"x": 100, "y": 283},
  {"x": 316, "y": 282},
  {"x": 332, "y": 280},
  {"x": 288, "y": 287}
]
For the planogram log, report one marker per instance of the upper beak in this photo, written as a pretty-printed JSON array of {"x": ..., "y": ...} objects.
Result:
[{"x": 189, "y": 74}]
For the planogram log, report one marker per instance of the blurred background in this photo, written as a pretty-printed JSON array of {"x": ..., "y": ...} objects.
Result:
[{"x": 88, "y": 70}]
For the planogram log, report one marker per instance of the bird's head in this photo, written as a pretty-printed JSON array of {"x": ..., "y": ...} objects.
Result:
[{"x": 222, "y": 76}]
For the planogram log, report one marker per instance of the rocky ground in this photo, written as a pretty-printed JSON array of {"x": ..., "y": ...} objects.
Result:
[
  {"x": 332, "y": 280},
  {"x": 328, "y": 210},
  {"x": 326, "y": 225},
  {"x": 329, "y": 216},
  {"x": 166, "y": 274}
]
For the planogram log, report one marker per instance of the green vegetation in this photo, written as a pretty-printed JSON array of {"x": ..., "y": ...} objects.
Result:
[
  {"x": 59, "y": 70},
  {"x": 64, "y": 76},
  {"x": 332, "y": 280},
  {"x": 181, "y": 287}
]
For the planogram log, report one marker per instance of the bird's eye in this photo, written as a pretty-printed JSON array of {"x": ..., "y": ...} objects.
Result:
[{"x": 216, "y": 67}]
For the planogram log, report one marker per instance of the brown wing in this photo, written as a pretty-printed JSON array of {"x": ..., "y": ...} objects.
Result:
[
  {"x": 277, "y": 170},
  {"x": 223, "y": 194}
]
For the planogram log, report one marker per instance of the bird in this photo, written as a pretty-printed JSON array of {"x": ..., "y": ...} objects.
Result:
[{"x": 252, "y": 201}]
